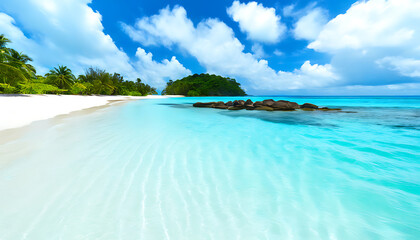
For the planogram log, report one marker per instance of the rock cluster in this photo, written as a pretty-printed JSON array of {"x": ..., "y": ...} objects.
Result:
[{"x": 267, "y": 105}]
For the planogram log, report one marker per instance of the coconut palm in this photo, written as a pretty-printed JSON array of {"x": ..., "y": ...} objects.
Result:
[
  {"x": 12, "y": 71},
  {"x": 3, "y": 50},
  {"x": 20, "y": 61},
  {"x": 103, "y": 82},
  {"x": 3, "y": 41},
  {"x": 61, "y": 77}
]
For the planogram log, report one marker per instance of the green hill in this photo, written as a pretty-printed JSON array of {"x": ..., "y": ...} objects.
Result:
[{"x": 204, "y": 85}]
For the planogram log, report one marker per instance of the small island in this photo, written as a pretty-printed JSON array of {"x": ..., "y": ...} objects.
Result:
[
  {"x": 204, "y": 85},
  {"x": 266, "y": 105}
]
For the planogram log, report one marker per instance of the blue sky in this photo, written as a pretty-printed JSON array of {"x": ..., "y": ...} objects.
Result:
[
  {"x": 321, "y": 47},
  {"x": 114, "y": 13}
]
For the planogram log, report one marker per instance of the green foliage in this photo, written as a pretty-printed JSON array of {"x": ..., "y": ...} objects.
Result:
[
  {"x": 20, "y": 61},
  {"x": 79, "y": 88},
  {"x": 39, "y": 88},
  {"x": 61, "y": 77},
  {"x": 204, "y": 85},
  {"x": 136, "y": 88},
  {"x": 7, "y": 89},
  {"x": 104, "y": 83},
  {"x": 14, "y": 68},
  {"x": 11, "y": 75},
  {"x": 18, "y": 76},
  {"x": 3, "y": 41}
]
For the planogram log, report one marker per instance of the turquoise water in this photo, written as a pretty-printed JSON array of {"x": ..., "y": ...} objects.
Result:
[{"x": 160, "y": 169}]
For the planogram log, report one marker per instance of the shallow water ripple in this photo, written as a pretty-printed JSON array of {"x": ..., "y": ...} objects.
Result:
[{"x": 160, "y": 169}]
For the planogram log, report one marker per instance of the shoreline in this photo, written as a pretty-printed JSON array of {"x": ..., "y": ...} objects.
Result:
[{"x": 23, "y": 109}]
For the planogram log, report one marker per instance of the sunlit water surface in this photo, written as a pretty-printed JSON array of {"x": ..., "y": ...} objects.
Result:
[{"x": 161, "y": 169}]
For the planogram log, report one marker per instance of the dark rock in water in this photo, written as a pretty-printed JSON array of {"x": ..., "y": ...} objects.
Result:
[
  {"x": 258, "y": 104},
  {"x": 329, "y": 109},
  {"x": 238, "y": 103},
  {"x": 285, "y": 105},
  {"x": 220, "y": 105},
  {"x": 266, "y": 105},
  {"x": 235, "y": 108},
  {"x": 264, "y": 108},
  {"x": 268, "y": 102},
  {"x": 201, "y": 104},
  {"x": 248, "y": 103},
  {"x": 309, "y": 105},
  {"x": 294, "y": 105}
]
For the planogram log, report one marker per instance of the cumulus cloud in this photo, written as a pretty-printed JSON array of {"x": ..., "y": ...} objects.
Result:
[
  {"x": 158, "y": 73},
  {"x": 69, "y": 32},
  {"x": 258, "y": 50},
  {"x": 375, "y": 42},
  {"x": 258, "y": 22},
  {"x": 405, "y": 66},
  {"x": 216, "y": 48},
  {"x": 374, "y": 23},
  {"x": 310, "y": 25},
  {"x": 278, "y": 53}
]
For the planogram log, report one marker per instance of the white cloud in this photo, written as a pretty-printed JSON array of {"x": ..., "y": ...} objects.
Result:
[
  {"x": 258, "y": 50},
  {"x": 215, "y": 47},
  {"x": 69, "y": 32},
  {"x": 375, "y": 42},
  {"x": 310, "y": 25},
  {"x": 278, "y": 53},
  {"x": 405, "y": 66},
  {"x": 289, "y": 10},
  {"x": 158, "y": 73},
  {"x": 374, "y": 23},
  {"x": 258, "y": 22}
]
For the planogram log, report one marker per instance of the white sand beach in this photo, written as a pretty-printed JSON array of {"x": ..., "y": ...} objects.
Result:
[{"x": 20, "y": 110}]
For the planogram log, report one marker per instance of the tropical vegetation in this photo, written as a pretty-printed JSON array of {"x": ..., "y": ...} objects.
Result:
[
  {"x": 17, "y": 75},
  {"x": 204, "y": 85}
]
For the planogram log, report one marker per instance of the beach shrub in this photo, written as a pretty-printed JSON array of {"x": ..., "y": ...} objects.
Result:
[
  {"x": 114, "y": 84},
  {"x": 39, "y": 88},
  {"x": 7, "y": 89},
  {"x": 80, "y": 88},
  {"x": 204, "y": 85},
  {"x": 11, "y": 75}
]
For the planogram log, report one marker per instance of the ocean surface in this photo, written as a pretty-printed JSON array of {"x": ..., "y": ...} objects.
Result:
[{"x": 161, "y": 169}]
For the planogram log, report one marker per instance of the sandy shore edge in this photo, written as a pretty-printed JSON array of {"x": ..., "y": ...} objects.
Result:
[{"x": 21, "y": 110}]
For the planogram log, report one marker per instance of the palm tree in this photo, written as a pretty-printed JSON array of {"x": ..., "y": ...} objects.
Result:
[
  {"x": 103, "y": 82},
  {"x": 3, "y": 41},
  {"x": 61, "y": 77},
  {"x": 3, "y": 50},
  {"x": 20, "y": 61},
  {"x": 11, "y": 70}
]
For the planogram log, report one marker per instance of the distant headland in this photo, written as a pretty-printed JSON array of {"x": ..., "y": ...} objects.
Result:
[{"x": 204, "y": 85}]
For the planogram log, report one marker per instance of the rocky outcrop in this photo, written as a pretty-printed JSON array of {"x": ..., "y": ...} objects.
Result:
[
  {"x": 248, "y": 103},
  {"x": 266, "y": 105},
  {"x": 309, "y": 105},
  {"x": 268, "y": 102},
  {"x": 258, "y": 104},
  {"x": 329, "y": 109},
  {"x": 285, "y": 105},
  {"x": 220, "y": 105},
  {"x": 201, "y": 104},
  {"x": 265, "y": 108}
]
